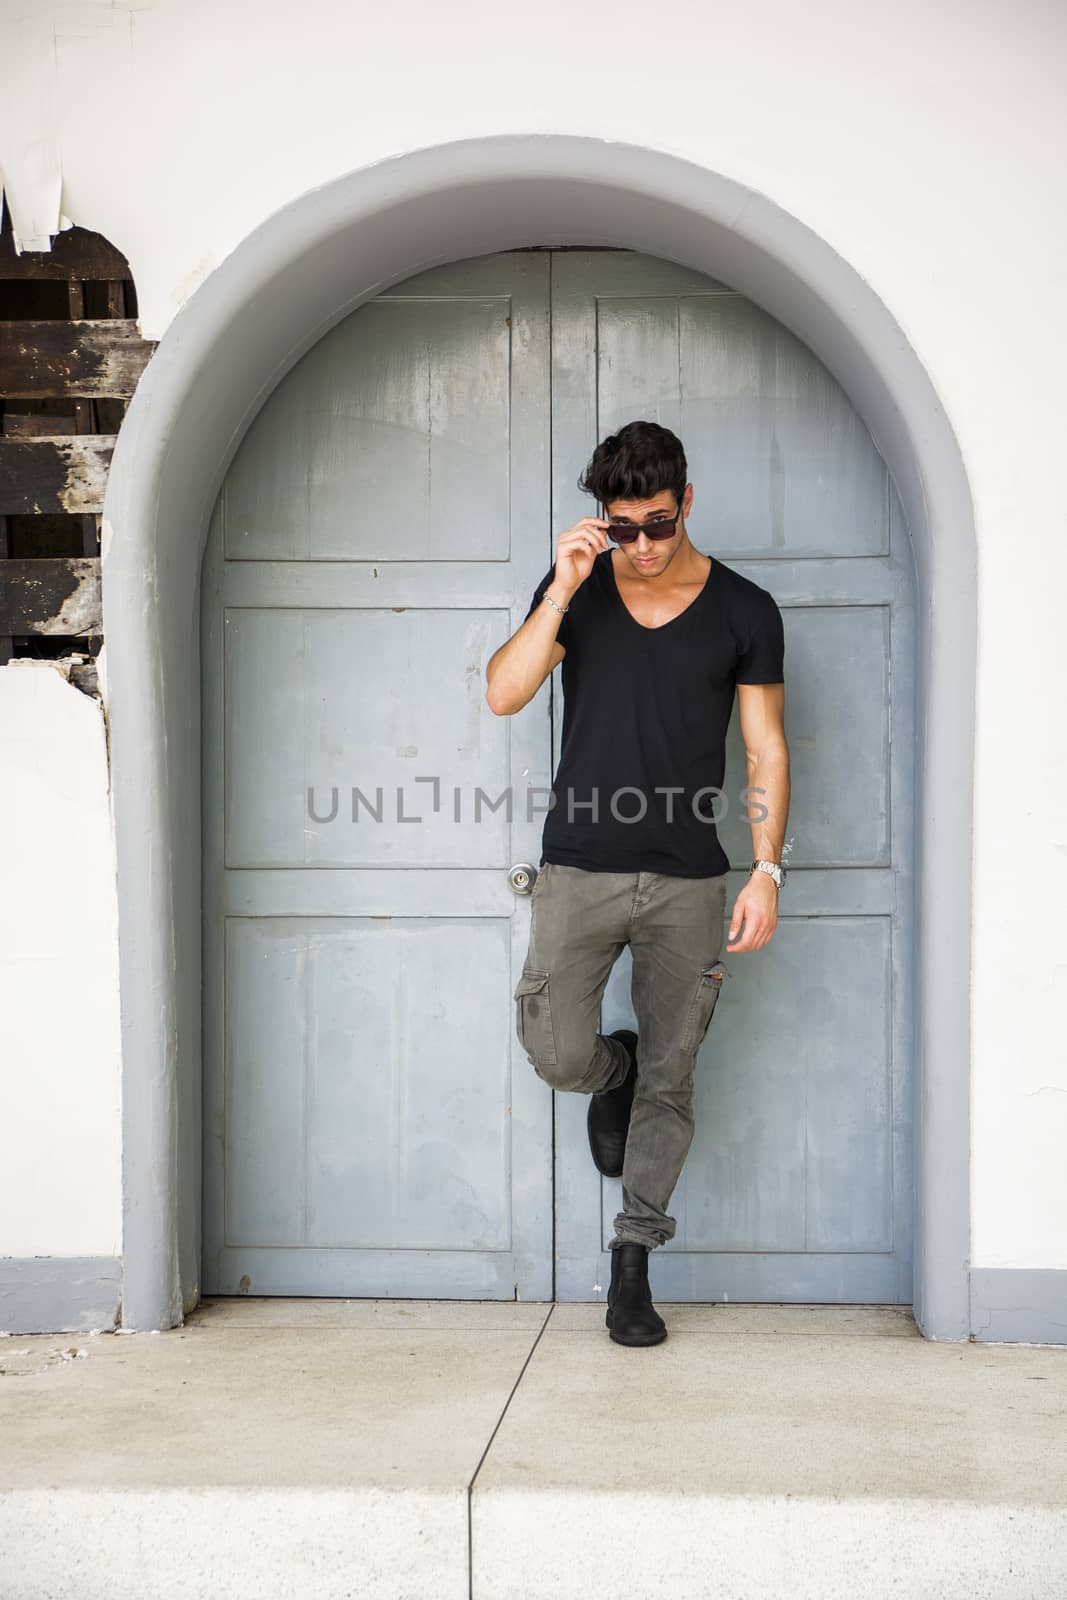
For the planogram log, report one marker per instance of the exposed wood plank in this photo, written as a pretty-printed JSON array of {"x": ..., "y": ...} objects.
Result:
[
  {"x": 61, "y": 596},
  {"x": 90, "y": 528},
  {"x": 36, "y": 425},
  {"x": 6, "y": 643},
  {"x": 46, "y": 475},
  {"x": 47, "y": 534},
  {"x": 59, "y": 410},
  {"x": 109, "y": 415},
  {"x": 75, "y": 253},
  {"x": 90, "y": 358},
  {"x": 85, "y": 422}
]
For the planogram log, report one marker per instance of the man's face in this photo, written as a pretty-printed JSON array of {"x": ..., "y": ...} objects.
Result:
[{"x": 649, "y": 557}]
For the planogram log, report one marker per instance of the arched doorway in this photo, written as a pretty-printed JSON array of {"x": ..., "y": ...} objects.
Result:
[
  {"x": 229, "y": 347},
  {"x": 371, "y": 1124}
]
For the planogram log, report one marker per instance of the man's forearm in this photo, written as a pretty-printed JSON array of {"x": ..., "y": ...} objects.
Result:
[{"x": 769, "y": 793}]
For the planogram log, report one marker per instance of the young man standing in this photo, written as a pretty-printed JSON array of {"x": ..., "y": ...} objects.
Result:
[{"x": 654, "y": 637}]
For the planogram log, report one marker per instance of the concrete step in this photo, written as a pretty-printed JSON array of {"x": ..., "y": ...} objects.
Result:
[{"x": 456, "y": 1450}]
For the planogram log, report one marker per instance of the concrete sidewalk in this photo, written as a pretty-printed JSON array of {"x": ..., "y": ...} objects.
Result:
[{"x": 442, "y": 1449}]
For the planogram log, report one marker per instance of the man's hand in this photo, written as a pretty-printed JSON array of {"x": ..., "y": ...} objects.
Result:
[
  {"x": 577, "y": 549},
  {"x": 757, "y": 907}
]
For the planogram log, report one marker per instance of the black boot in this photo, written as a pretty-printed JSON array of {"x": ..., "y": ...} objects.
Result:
[
  {"x": 608, "y": 1118},
  {"x": 631, "y": 1316}
]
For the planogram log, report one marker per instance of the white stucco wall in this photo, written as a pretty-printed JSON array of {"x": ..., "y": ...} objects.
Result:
[
  {"x": 60, "y": 1157},
  {"x": 924, "y": 143}
]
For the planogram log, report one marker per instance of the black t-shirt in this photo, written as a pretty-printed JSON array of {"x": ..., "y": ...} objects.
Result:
[{"x": 647, "y": 709}]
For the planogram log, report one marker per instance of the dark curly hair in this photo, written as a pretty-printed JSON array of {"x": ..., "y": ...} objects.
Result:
[{"x": 634, "y": 464}]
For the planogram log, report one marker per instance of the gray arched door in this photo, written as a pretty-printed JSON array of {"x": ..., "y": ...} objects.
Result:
[{"x": 372, "y": 1126}]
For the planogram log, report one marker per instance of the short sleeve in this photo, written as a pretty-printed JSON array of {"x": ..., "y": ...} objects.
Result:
[
  {"x": 763, "y": 658},
  {"x": 563, "y": 631}
]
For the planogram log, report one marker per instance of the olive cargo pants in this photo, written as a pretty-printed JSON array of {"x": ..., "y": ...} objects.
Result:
[{"x": 579, "y": 924}]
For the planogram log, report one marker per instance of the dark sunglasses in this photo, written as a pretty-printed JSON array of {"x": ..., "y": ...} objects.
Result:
[{"x": 626, "y": 532}]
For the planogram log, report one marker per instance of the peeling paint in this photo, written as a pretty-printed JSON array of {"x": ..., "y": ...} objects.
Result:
[
  {"x": 77, "y": 670},
  {"x": 59, "y": 598},
  {"x": 80, "y": 612}
]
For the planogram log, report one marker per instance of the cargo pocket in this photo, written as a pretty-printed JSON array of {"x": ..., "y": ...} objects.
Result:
[
  {"x": 533, "y": 1017},
  {"x": 702, "y": 1006}
]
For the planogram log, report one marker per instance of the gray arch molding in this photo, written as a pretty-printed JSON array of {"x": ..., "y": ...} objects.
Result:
[{"x": 264, "y": 306}]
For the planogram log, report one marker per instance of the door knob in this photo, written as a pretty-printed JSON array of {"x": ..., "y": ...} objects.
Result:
[{"x": 522, "y": 877}]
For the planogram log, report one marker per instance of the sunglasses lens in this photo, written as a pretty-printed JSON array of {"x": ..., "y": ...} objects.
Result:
[{"x": 626, "y": 533}]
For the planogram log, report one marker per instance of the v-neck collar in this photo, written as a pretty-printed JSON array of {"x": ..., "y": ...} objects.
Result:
[{"x": 616, "y": 591}]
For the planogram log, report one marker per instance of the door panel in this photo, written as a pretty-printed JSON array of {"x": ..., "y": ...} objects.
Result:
[
  {"x": 372, "y": 1125},
  {"x": 359, "y": 1158},
  {"x": 403, "y": 411},
  {"x": 332, "y": 758},
  {"x": 798, "y": 1182}
]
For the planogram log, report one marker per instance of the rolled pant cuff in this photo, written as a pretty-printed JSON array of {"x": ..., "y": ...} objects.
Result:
[{"x": 630, "y": 1238}]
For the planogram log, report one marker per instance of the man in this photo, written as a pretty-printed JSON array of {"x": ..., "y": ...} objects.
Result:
[{"x": 654, "y": 638}]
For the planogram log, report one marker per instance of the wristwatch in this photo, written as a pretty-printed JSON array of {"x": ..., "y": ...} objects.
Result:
[{"x": 773, "y": 869}]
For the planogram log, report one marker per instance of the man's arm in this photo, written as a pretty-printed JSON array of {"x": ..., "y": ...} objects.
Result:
[
  {"x": 761, "y": 711},
  {"x": 515, "y": 672}
]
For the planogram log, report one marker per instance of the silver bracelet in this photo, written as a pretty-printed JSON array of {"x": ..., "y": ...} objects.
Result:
[{"x": 561, "y": 609}]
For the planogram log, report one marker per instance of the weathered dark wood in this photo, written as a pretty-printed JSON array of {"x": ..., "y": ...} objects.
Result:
[
  {"x": 88, "y": 358},
  {"x": 85, "y": 417},
  {"x": 33, "y": 538},
  {"x": 90, "y": 532},
  {"x": 36, "y": 425},
  {"x": 109, "y": 415},
  {"x": 6, "y": 643},
  {"x": 45, "y": 475},
  {"x": 75, "y": 253},
  {"x": 58, "y": 409},
  {"x": 51, "y": 597}
]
